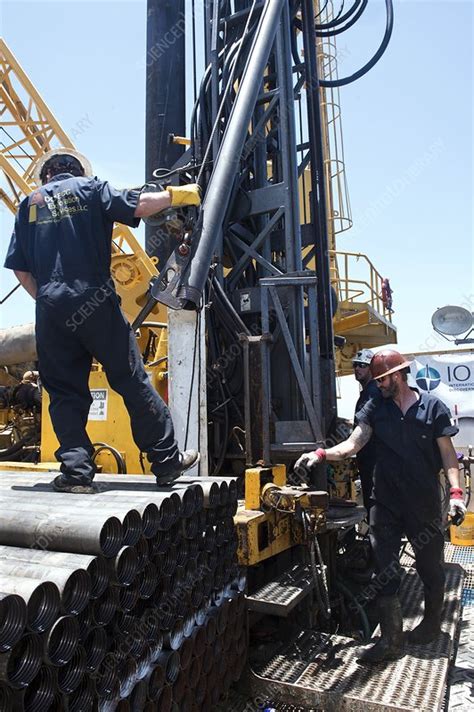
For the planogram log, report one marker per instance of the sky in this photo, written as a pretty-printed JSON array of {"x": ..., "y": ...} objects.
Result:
[{"x": 407, "y": 136}]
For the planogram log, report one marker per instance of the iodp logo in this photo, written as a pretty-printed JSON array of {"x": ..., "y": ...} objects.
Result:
[{"x": 428, "y": 378}]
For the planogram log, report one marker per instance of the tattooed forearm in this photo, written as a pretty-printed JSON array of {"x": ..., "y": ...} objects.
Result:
[{"x": 359, "y": 437}]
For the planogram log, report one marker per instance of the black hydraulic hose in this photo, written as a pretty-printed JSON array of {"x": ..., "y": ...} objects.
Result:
[
  {"x": 229, "y": 306},
  {"x": 9, "y": 451},
  {"x": 339, "y": 19},
  {"x": 367, "y": 67},
  {"x": 100, "y": 447},
  {"x": 353, "y": 599},
  {"x": 352, "y": 21}
]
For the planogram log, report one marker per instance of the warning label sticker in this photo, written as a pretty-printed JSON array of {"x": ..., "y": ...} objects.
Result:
[{"x": 98, "y": 409}]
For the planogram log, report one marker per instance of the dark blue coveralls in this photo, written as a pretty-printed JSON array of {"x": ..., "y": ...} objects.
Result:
[
  {"x": 62, "y": 236},
  {"x": 366, "y": 456},
  {"x": 406, "y": 495}
]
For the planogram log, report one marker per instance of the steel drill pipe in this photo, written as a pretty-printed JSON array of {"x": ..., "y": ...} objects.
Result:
[
  {"x": 186, "y": 651},
  {"x": 166, "y": 562},
  {"x": 172, "y": 639},
  {"x": 207, "y": 661},
  {"x": 86, "y": 622},
  {"x": 187, "y": 495},
  {"x": 202, "y": 613},
  {"x": 53, "y": 501},
  {"x": 95, "y": 646},
  {"x": 156, "y": 682},
  {"x": 191, "y": 527},
  {"x": 69, "y": 677},
  {"x": 39, "y": 694},
  {"x": 188, "y": 622},
  {"x": 127, "y": 673},
  {"x": 103, "y": 608},
  {"x": 168, "y": 504},
  {"x": 148, "y": 581},
  {"x": 160, "y": 543},
  {"x": 106, "y": 682},
  {"x": 170, "y": 662},
  {"x": 179, "y": 686},
  {"x": 123, "y": 568},
  {"x": 156, "y": 647},
  {"x": 199, "y": 638},
  {"x": 165, "y": 700},
  {"x": 20, "y": 665},
  {"x": 200, "y": 690},
  {"x": 82, "y": 699},
  {"x": 95, "y": 566},
  {"x": 129, "y": 596},
  {"x": 144, "y": 663},
  {"x": 42, "y": 600},
  {"x": 209, "y": 539},
  {"x": 150, "y": 625},
  {"x": 74, "y": 587},
  {"x": 13, "y": 619},
  {"x": 142, "y": 549},
  {"x": 69, "y": 532},
  {"x": 211, "y": 631},
  {"x": 194, "y": 671},
  {"x": 6, "y": 697},
  {"x": 61, "y": 641},
  {"x": 138, "y": 696}
]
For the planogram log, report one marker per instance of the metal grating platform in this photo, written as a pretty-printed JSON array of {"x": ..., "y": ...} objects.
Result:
[
  {"x": 280, "y": 596},
  {"x": 461, "y": 675},
  {"x": 320, "y": 671}
]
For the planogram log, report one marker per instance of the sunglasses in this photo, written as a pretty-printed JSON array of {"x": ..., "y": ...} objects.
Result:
[{"x": 360, "y": 365}]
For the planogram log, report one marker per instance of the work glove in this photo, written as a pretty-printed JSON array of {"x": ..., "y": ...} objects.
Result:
[
  {"x": 457, "y": 508},
  {"x": 309, "y": 460},
  {"x": 184, "y": 194}
]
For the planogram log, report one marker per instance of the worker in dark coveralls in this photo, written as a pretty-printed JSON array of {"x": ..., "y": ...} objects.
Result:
[
  {"x": 369, "y": 389},
  {"x": 60, "y": 251},
  {"x": 412, "y": 432}
]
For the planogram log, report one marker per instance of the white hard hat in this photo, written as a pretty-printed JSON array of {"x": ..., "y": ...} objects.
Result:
[{"x": 61, "y": 152}]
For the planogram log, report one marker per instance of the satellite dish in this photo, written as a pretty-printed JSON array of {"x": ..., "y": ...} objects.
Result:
[{"x": 452, "y": 321}]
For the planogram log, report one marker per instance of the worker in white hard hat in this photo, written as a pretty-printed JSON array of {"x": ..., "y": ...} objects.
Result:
[
  {"x": 369, "y": 390},
  {"x": 60, "y": 251}
]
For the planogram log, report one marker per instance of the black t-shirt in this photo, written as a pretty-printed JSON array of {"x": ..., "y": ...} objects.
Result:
[
  {"x": 63, "y": 232},
  {"x": 366, "y": 456},
  {"x": 407, "y": 457}
]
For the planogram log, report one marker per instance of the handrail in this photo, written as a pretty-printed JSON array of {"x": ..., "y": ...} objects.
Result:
[{"x": 359, "y": 281}]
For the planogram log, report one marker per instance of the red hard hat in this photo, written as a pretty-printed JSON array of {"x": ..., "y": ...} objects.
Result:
[{"x": 386, "y": 362}]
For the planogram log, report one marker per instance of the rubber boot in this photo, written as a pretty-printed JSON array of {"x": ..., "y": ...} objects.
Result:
[
  {"x": 390, "y": 645},
  {"x": 430, "y": 627}
]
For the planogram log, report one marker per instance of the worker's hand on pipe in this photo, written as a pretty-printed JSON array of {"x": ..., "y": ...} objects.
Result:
[
  {"x": 457, "y": 508},
  {"x": 184, "y": 194},
  {"x": 309, "y": 460}
]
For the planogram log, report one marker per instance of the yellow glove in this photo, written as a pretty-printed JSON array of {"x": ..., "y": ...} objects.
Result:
[{"x": 184, "y": 194}]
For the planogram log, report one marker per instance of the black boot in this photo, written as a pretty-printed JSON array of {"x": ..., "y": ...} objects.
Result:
[
  {"x": 430, "y": 627},
  {"x": 390, "y": 645}
]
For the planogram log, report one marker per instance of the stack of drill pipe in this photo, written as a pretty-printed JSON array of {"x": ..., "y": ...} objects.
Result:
[{"x": 129, "y": 599}]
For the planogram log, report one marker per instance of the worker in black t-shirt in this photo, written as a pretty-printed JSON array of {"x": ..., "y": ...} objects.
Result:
[{"x": 412, "y": 432}]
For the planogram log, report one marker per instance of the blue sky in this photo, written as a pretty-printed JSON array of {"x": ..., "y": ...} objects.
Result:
[{"x": 87, "y": 60}]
